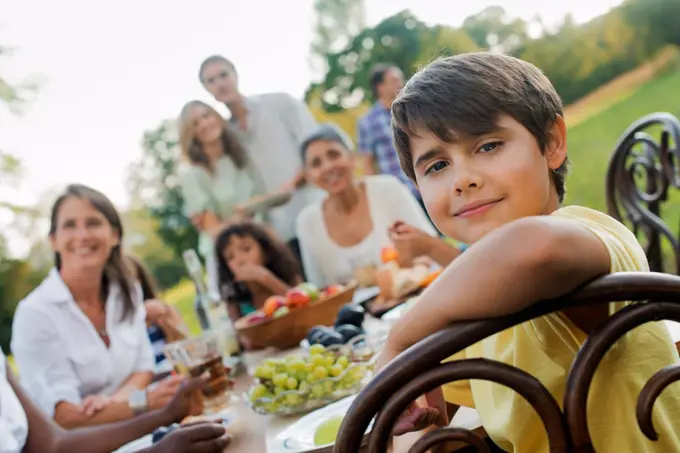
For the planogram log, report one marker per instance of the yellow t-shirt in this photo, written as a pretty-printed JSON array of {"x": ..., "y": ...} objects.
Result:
[{"x": 545, "y": 347}]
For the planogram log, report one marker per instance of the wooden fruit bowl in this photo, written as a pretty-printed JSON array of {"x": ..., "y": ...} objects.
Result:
[{"x": 288, "y": 330}]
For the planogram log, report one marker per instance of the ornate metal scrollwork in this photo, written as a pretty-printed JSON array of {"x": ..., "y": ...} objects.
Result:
[
  {"x": 638, "y": 156},
  {"x": 419, "y": 369}
]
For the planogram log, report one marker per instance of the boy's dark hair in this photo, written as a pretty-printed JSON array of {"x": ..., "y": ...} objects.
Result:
[
  {"x": 464, "y": 95},
  {"x": 377, "y": 76},
  {"x": 278, "y": 259},
  {"x": 214, "y": 59}
]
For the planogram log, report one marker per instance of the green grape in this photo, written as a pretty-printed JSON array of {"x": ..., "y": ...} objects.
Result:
[
  {"x": 280, "y": 380},
  {"x": 318, "y": 360},
  {"x": 258, "y": 391},
  {"x": 317, "y": 390},
  {"x": 279, "y": 390},
  {"x": 328, "y": 361},
  {"x": 304, "y": 387},
  {"x": 301, "y": 377},
  {"x": 343, "y": 361},
  {"x": 328, "y": 387},
  {"x": 271, "y": 407},
  {"x": 336, "y": 370},
  {"x": 293, "y": 399},
  {"x": 309, "y": 367},
  {"x": 317, "y": 349},
  {"x": 292, "y": 383},
  {"x": 320, "y": 372},
  {"x": 264, "y": 372},
  {"x": 295, "y": 366}
]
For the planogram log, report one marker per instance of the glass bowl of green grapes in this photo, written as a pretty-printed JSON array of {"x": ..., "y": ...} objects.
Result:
[{"x": 301, "y": 383}]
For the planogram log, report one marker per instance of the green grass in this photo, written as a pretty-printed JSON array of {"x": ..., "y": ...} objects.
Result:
[
  {"x": 182, "y": 297},
  {"x": 591, "y": 143}
]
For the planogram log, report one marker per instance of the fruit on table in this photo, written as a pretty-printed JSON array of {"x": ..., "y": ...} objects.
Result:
[
  {"x": 429, "y": 278},
  {"x": 327, "y": 431},
  {"x": 351, "y": 314},
  {"x": 272, "y": 304},
  {"x": 282, "y": 311},
  {"x": 296, "y": 297},
  {"x": 333, "y": 290},
  {"x": 311, "y": 289},
  {"x": 256, "y": 317},
  {"x": 330, "y": 338},
  {"x": 348, "y": 331},
  {"x": 388, "y": 254},
  {"x": 293, "y": 380}
]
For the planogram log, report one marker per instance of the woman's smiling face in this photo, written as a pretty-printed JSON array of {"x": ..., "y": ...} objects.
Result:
[
  {"x": 329, "y": 165},
  {"x": 83, "y": 237}
]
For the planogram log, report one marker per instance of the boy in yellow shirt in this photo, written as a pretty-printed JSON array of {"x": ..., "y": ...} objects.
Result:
[{"x": 483, "y": 136}]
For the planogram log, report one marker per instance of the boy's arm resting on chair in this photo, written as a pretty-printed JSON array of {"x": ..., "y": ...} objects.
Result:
[{"x": 511, "y": 268}]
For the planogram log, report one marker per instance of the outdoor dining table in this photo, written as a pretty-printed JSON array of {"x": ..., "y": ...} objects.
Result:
[{"x": 255, "y": 433}]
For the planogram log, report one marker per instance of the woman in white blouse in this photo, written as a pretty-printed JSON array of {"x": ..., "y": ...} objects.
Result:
[
  {"x": 80, "y": 339},
  {"x": 349, "y": 228},
  {"x": 24, "y": 428}
]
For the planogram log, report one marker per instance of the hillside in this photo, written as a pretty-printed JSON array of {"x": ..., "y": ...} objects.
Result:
[{"x": 592, "y": 141}]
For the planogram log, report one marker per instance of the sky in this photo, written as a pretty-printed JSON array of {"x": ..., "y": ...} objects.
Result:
[{"x": 110, "y": 70}]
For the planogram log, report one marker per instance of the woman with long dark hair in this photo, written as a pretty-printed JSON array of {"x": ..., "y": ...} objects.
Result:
[
  {"x": 80, "y": 339},
  {"x": 252, "y": 266}
]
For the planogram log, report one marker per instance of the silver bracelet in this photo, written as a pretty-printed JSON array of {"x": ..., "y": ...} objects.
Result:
[{"x": 138, "y": 402}]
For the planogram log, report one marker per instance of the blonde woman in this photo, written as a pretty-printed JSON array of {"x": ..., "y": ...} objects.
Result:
[{"x": 220, "y": 181}]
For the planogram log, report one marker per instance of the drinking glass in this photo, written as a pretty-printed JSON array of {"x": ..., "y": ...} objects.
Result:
[{"x": 194, "y": 357}]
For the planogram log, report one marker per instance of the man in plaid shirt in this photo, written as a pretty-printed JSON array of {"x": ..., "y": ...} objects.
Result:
[{"x": 375, "y": 134}]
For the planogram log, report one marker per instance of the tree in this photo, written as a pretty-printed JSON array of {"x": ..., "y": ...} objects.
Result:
[
  {"x": 492, "y": 28},
  {"x": 401, "y": 40},
  {"x": 142, "y": 242},
  {"x": 336, "y": 23},
  {"x": 17, "y": 278},
  {"x": 154, "y": 184}
]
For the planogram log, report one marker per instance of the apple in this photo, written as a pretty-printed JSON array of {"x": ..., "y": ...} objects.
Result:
[
  {"x": 256, "y": 317},
  {"x": 296, "y": 297},
  {"x": 272, "y": 304},
  {"x": 311, "y": 289},
  {"x": 333, "y": 290}
]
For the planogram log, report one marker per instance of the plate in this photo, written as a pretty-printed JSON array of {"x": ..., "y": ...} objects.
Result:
[
  {"x": 299, "y": 437},
  {"x": 397, "y": 312},
  {"x": 364, "y": 295}
]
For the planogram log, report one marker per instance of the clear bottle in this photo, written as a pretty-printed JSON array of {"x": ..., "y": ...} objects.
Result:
[
  {"x": 210, "y": 309},
  {"x": 195, "y": 271}
]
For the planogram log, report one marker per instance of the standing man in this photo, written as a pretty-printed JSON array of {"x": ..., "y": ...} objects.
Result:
[
  {"x": 271, "y": 127},
  {"x": 375, "y": 134}
]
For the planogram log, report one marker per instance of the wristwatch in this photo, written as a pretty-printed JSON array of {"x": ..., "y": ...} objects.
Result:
[{"x": 138, "y": 402}]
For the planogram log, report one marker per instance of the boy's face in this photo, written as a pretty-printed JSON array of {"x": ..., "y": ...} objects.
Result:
[{"x": 477, "y": 184}]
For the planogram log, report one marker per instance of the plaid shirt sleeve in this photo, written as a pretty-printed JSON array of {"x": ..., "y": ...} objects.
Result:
[{"x": 364, "y": 138}]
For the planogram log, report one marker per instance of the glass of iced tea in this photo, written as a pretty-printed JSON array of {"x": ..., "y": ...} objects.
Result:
[{"x": 194, "y": 357}]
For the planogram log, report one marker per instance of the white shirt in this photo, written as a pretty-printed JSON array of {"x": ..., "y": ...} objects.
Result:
[
  {"x": 60, "y": 355},
  {"x": 277, "y": 125},
  {"x": 325, "y": 262},
  {"x": 13, "y": 422}
]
